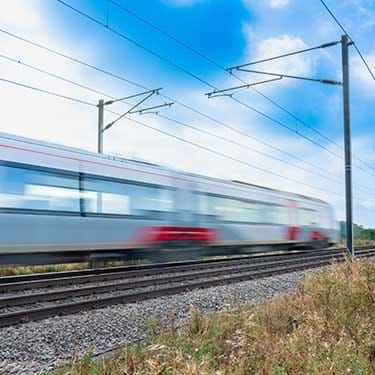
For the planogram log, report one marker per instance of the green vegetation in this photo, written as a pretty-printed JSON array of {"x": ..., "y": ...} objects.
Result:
[
  {"x": 364, "y": 234},
  {"x": 326, "y": 327}
]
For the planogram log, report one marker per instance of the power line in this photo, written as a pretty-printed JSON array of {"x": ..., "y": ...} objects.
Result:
[
  {"x": 83, "y": 14},
  {"x": 355, "y": 45},
  {"x": 73, "y": 59},
  {"x": 230, "y": 157},
  {"x": 64, "y": 79},
  {"x": 141, "y": 86},
  {"x": 170, "y": 36},
  {"x": 91, "y": 104},
  {"x": 34, "y": 88},
  {"x": 33, "y": 67},
  {"x": 246, "y": 147},
  {"x": 175, "y": 65},
  {"x": 286, "y": 127},
  {"x": 205, "y": 57},
  {"x": 47, "y": 92},
  {"x": 186, "y": 106}
]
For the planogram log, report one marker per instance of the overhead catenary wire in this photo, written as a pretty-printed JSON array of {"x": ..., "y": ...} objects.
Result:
[
  {"x": 184, "y": 105},
  {"x": 44, "y": 91},
  {"x": 131, "y": 40},
  {"x": 203, "y": 131},
  {"x": 43, "y": 71},
  {"x": 138, "y": 85},
  {"x": 205, "y": 57},
  {"x": 77, "y": 84},
  {"x": 218, "y": 65},
  {"x": 138, "y": 44},
  {"x": 178, "y": 102},
  {"x": 344, "y": 30},
  {"x": 52, "y": 93}
]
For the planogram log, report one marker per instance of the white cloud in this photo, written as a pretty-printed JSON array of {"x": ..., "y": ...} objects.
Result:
[
  {"x": 361, "y": 76},
  {"x": 302, "y": 64},
  {"x": 21, "y": 14},
  {"x": 278, "y": 3}
]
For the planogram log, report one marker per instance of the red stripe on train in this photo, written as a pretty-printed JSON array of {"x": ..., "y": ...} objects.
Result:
[
  {"x": 158, "y": 234},
  {"x": 317, "y": 235},
  {"x": 293, "y": 233}
]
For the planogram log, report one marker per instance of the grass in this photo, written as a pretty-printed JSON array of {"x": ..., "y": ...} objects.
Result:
[
  {"x": 362, "y": 242},
  {"x": 25, "y": 270},
  {"x": 326, "y": 327}
]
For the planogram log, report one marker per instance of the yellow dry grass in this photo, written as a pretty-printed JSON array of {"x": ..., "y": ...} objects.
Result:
[
  {"x": 25, "y": 270},
  {"x": 326, "y": 327}
]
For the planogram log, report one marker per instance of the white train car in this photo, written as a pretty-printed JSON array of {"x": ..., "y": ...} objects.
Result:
[{"x": 56, "y": 200}]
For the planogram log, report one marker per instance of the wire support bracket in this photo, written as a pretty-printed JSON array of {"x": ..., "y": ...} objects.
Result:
[
  {"x": 320, "y": 80},
  {"x": 325, "y": 45},
  {"x": 133, "y": 109},
  {"x": 149, "y": 110},
  {"x": 216, "y": 93}
]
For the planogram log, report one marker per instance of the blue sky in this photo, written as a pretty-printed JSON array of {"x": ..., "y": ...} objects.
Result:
[{"x": 227, "y": 31}]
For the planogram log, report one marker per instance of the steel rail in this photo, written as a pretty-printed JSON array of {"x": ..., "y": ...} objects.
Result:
[
  {"x": 107, "y": 274},
  {"x": 24, "y": 299},
  {"x": 83, "y": 272},
  {"x": 69, "y": 308}
]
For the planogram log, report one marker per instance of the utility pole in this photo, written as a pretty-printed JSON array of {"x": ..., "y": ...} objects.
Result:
[
  {"x": 100, "y": 125},
  {"x": 345, "y": 43},
  {"x": 347, "y": 138},
  {"x": 133, "y": 109}
]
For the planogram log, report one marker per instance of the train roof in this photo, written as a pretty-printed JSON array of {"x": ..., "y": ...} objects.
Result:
[{"x": 110, "y": 157}]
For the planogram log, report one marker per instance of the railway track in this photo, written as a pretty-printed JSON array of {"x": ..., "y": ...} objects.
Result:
[
  {"x": 132, "y": 284},
  {"x": 51, "y": 279}
]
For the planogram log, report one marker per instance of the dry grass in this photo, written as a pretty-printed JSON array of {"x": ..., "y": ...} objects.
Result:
[
  {"x": 362, "y": 242},
  {"x": 25, "y": 270},
  {"x": 326, "y": 327}
]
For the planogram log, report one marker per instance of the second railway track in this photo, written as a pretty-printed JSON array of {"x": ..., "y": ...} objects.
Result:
[{"x": 140, "y": 283}]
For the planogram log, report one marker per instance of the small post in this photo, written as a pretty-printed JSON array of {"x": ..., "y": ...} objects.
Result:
[
  {"x": 347, "y": 136},
  {"x": 100, "y": 125}
]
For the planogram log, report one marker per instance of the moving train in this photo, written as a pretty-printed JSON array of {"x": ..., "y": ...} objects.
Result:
[{"x": 58, "y": 202}]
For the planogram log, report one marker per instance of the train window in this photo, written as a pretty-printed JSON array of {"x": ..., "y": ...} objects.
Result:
[
  {"x": 307, "y": 216},
  {"x": 231, "y": 209},
  {"x": 280, "y": 215},
  {"x": 110, "y": 197},
  {"x": 227, "y": 209},
  {"x": 31, "y": 189},
  {"x": 102, "y": 196},
  {"x": 273, "y": 214}
]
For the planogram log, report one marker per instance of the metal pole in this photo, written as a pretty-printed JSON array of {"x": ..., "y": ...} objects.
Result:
[
  {"x": 348, "y": 155},
  {"x": 100, "y": 125}
]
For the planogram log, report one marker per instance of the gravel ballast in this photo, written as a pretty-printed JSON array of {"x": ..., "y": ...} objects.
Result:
[{"x": 35, "y": 347}]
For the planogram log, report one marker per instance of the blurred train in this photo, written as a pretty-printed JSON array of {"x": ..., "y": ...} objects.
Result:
[{"x": 57, "y": 201}]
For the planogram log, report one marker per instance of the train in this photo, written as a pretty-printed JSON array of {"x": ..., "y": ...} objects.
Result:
[{"x": 59, "y": 203}]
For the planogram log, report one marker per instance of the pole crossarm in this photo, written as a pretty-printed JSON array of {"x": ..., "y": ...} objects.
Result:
[
  {"x": 133, "y": 109},
  {"x": 149, "y": 109},
  {"x": 216, "y": 93},
  {"x": 148, "y": 94},
  {"x": 325, "y": 45},
  {"x": 325, "y": 81},
  {"x": 154, "y": 91}
]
